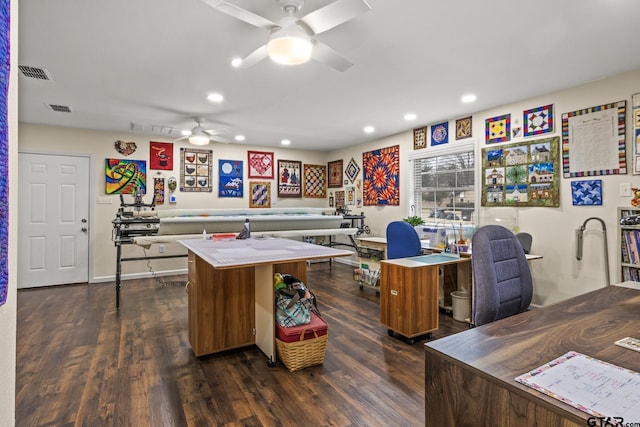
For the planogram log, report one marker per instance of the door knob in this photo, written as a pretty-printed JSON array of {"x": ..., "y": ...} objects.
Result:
[{"x": 84, "y": 229}]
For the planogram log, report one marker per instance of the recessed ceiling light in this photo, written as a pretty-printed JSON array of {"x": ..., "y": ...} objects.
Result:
[
  {"x": 215, "y": 97},
  {"x": 285, "y": 142},
  {"x": 236, "y": 62},
  {"x": 410, "y": 116},
  {"x": 239, "y": 137},
  {"x": 369, "y": 129},
  {"x": 468, "y": 98}
]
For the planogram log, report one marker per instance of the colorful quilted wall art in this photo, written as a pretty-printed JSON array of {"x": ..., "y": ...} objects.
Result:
[
  {"x": 196, "y": 170},
  {"x": 230, "y": 182},
  {"x": 498, "y": 129},
  {"x": 352, "y": 170},
  {"x": 4, "y": 150},
  {"x": 160, "y": 155},
  {"x": 538, "y": 120},
  {"x": 289, "y": 178},
  {"x": 125, "y": 176},
  {"x": 260, "y": 194},
  {"x": 586, "y": 193},
  {"x": 440, "y": 134},
  {"x": 381, "y": 170},
  {"x": 335, "y": 174},
  {"x": 158, "y": 190},
  {"x": 315, "y": 181},
  {"x": 340, "y": 202},
  {"x": 419, "y": 138},
  {"x": 463, "y": 128},
  {"x": 261, "y": 164}
]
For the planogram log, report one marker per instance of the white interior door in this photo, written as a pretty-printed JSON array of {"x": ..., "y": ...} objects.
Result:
[{"x": 53, "y": 227}]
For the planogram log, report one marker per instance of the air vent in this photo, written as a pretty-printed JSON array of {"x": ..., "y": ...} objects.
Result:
[
  {"x": 60, "y": 108},
  {"x": 35, "y": 72}
]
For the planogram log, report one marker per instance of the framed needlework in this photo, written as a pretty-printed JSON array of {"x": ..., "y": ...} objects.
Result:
[
  {"x": 260, "y": 194},
  {"x": 538, "y": 120},
  {"x": 593, "y": 141},
  {"x": 230, "y": 182},
  {"x": 261, "y": 164},
  {"x": 161, "y": 155},
  {"x": 315, "y": 181},
  {"x": 196, "y": 170},
  {"x": 352, "y": 170},
  {"x": 381, "y": 183},
  {"x": 586, "y": 193},
  {"x": 463, "y": 128},
  {"x": 125, "y": 176},
  {"x": 419, "y": 138},
  {"x": 522, "y": 174},
  {"x": 440, "y": 134},
  {"x": 498, "y": 129},
  {"x": 334, "y": 174},
  {"x": 289, "y": 178},
  {"x": 340, "y": 203}
]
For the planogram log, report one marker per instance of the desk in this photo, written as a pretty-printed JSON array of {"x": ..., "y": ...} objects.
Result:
[
  {"x": 409, "y": 290},
  {"x": 231, "y": 297},
  {"x": 469, "y": 376}
]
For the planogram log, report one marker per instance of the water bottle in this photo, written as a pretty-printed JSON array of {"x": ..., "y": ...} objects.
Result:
[{"x": 247, "y": 228}]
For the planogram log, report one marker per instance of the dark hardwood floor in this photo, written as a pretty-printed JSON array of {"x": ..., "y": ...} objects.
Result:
[{"x": 82, "y": 363}]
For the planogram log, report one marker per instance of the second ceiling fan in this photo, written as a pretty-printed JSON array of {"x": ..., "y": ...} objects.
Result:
[{"x": 291, "y": 39}]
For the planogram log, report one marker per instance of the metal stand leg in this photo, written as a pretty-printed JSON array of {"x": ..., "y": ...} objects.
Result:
[{"x": 118, "y": 273}]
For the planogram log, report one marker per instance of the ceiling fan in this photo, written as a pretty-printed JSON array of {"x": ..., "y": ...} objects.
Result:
[
  {"x": 201, "y": 136},
  {"x": 291, "y": 39}
]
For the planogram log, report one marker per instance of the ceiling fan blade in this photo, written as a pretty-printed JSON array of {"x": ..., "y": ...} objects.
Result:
[
  {"x": 241, "y": 14},
  {"x": 323, "y": 53},
  {"x": 220, "y": 139},
  {"x": 334, "y": 14},
  {"x": 254, "y": 57},
  {"x": 212, "y": 132},
  {"x": 182, "y": 138}
]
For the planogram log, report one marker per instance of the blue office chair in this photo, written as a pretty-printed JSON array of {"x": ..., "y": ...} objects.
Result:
[
  {"x": 502, "y": 283},
  {"x": 402, "y": 240}
]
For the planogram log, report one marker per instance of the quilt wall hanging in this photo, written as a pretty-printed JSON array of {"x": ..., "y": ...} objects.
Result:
[
  {"x": 522, "y": 174},
  {"x": 381, "y": 176},
  {"x": 593, "y": 141},
  {"x": 635, "y": 105},
  {"x": 231, "y": 183},
  {"x": 125, "y": 176},
  {"x": 195, "y": 170},
  {"x": 289, "y": 178},
  {"x": 4, "y": 150},
  {"x": 261, "y": 164},
  {"x": 161, "y": 155},
  {"x": 158, "y": 190},
  {"x": 315, "y": 181},
  {"x": 260, "y": 194}
]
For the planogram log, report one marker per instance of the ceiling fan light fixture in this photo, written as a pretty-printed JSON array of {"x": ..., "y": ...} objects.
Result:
[
  {"x": 290, "y": 45},
  {"x": 198, "y": 139}
]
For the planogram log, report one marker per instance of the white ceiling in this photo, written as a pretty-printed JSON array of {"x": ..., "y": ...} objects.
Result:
[{"x": 153, "y": 62}]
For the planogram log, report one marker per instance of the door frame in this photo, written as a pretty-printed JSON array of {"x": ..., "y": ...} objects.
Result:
[{"x": 91, "y": 199}]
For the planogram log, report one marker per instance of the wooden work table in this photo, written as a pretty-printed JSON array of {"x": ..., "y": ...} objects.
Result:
[
  {"x": 231, "y": 297},
  {"x": 469, "y": 376}
]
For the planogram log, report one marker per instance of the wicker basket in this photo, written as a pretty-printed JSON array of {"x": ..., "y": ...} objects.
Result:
[{"x": 302, "y": 354}]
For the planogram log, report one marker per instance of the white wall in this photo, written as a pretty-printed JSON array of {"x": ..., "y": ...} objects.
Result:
[
  {"x": 100, "y": 146},
  {"x": 8, "y": 310},
  {"x": 558, "y": 275}
]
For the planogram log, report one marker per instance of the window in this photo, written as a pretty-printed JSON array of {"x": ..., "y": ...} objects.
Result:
[{"x": 444, "y": 186}]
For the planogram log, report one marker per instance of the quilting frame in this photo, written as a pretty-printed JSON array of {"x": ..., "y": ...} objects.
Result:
[
  {"x": 334, "y": 171},
  {"x": 439, "y": 134},
  {"x": 524, "y": 173},
  {"x": 381, "y": 180},
  {"x": 4, "y": 149},
  {"x": 230, "y": 179},
  {"x": 196, "y": 170},
  {"x": 289, "y": 178},
  {"x": 315, "y": 181},
  {"x": 260, "y": 164},
  {"x": 498, "y": 129},
  {"x": 586, "y": 192},
  {"x": 593, "y": 141},
  {"x": 123, "y": 176},
  {"x": 260, "y": 192},
  {"x": 538, "y": 121},
  {"x": 160, "y": 155}
]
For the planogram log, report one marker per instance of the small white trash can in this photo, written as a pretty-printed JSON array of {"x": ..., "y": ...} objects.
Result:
[{"x": 461, "y": 305}]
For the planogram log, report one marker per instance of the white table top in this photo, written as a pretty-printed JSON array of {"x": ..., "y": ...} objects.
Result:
[{"x": 249, "y": 252}]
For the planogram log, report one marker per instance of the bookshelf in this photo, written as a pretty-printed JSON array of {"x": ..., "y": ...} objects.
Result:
[{"x": 629, "y": 246}]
